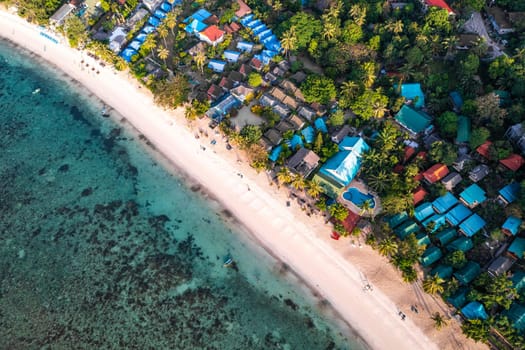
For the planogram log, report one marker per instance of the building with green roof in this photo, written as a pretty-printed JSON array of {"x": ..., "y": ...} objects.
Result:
[
  {"x": 406, "y": 228},
  {"x": 467, "y": 274},
  {"x": 430, "y": 256},
  {"x": 459, "y": 298},
  {"x": 443, "y": 271},
  {"x": 422, "y": 239},
  {"x": 413, "y": 120},
  {"x": 464, "y": 129},
  {"x": 516, "y": 315},
  {"x": 446, "y": 236},
  {"x": 397, "y": 219},
  {"x": 462, "y": 243},
  {"x": 518, "y": 281},
  {"x": 517, "y": 247}
]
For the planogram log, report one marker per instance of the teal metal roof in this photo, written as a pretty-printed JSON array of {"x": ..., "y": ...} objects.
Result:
[
  {"x": 397, "y": 219},
  {"x": 413, "y": 92},
  {"x": 430, "y": 256},
  {"x": 512, "y": 225},
  {"x": 436, "y": 219},
  {"x": 457, "y": 214},
  {"x": 444, "y": 203},
  {"x": 423, "y": 211},
  {"x": 443, "y": 271},
  {"x": 470, "y": 271},
  {"x": 474, "y": 311},
  {"x": 459, "y": 298},
  {"x": 464, "y": 129},
  {"x": 473, "y": 195},
  {"x": 472, "y": 225},
  {"x": 406, "y": 228},
  {"x": 510, "y": 192},
  {"x": 517, "y": 247},
  {"x": 415, "y": 121},
  {"x": 516, "y": 314},
  {"x": 422, "y": 239},
  {"x": 462, "y": 243},
  {"x": 518, "y": 280},
  {"x": 446, "y": 236}
]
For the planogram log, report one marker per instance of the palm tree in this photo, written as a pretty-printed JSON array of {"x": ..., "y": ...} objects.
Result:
[
  {"x": 314, "y": 189},
  {"x": 199, "y": 60},
  {"x": 171, "y": 21},
  {"x": 335, "y": 10},
  {"x": 349, "y": 89},
  {"x": 163, "y": 32},
  {"x": 190, "y": 113},
  {"x": 329, "y": 31},
  {"x": 358, "y": 14},
  {"x": 433, "y": 284},
  {"x": 439, "y": 320},
  {"x": 149, "y": 43},
  {"x": 379, "y": 109},
  {"x": 366, "y": 207},
  {"x": 284, "y": 176},
  {"x": 387, "y": 247},
  {"x": 379, "y": 181},
  {"x": 298, "y": 183},
  {"x": 163, "y": 53},
  {"x": 289, "y": 41}
]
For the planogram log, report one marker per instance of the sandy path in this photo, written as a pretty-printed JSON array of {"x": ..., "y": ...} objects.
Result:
[{"x": 297, "y": 240}]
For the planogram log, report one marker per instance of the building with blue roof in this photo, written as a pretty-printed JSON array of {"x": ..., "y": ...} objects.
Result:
[
  {"x": 459, "y": 298},
  {"x": 247, "y": 19},
  {"x": 320, "y": 125},
  {"x": 457, "y": 100},
  {"x": 472, "y": 225},
  {"x": 253, "y": 24},
  {"x": 430, "y": 256},
  {"x": 435, "y": 221},
  {"x": 397, "y": 219},
  {"x": 200, "y": 15},
  {"x": 413, "y": 92},
  {"x": 231, "y": 56},
  {"x": 245, "y": 46},
  {"x": 195, "y": 26},
  {"x": 148, "y": 29},
  {"x": 457, "y": 214},
  {"x": 275, "y": 153},
  {"x": 264, "y": 34},
  {"x": 472, "y": 196},
  {"x": 159, "y": 14},
  {"x": 444, "y": 203},
  {"x": 423, "y": 211},
  {"x": 516, "y": 315},
  {"x": 344, "y": 165},
  {"x": 141, "y": 37},
  {"x": 153, "y": 21},
  {"x": 509, "y": 193},
  {"x": 474, "y": 311},
  {"x": 223, "y": 107},
  {"x": 135, "y": 45},
  {"x": 127, "y": 54},
  {"x": 405, "y": 229},
  {"x": 295, "y": 141},
  {"x": 511, "y": 226},
  {"x": 517, "y": 248},
  {"x": 165, "y": 6},
  {"x": 259, "y": 29},
  {"x": 217, "y": 65},
  {"x": 308, "y": 134}
]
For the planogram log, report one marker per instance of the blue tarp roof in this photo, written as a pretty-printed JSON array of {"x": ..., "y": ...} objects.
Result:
[
  {"x": 320, "y": 125},
  {"x": 444, "y": 203},
  {"x": 263, "y": 58},
  {"x": 309, "y": 134},
  {"x": 443, "y": 271},
  {"x": 510, "y": 192},
  {"x": 159, "y": 14},
  {"x": 216, "y": 65},
  {"x": 473, "y": 195},
  {"x": 274, "y": 154},
  {"x": 423, "y": 211},
  {"x": 512, "y": 225},
  {"x": 457, "y": 214},
  {"x": 517, "y": 247},
  {"x": 474, "y": 311},
  {"x": 459, "y": 298},
  {"x": 247, "y": 19},
  {"x": 446, "y": 236},
  {"x": 295, "y": 141},
  {"x": 141, "y": 37},
  {"x": 472, "y": 225},
  {"x": 397, "y": 219},
  {"x": 245, "y": 46},
  {"x": 148, "y": 29},
  {"x": 411, "y": 92},
  {"x": 135, "y": 45},
  {"x": 231, "y": 56},
  {"x": 127, "y": 54},
  {"x": 200, "y": 15},
  {"x": 165, "y": 6},
  {"x": 437, "y": 220},
  {"x": 456, "y": 99},
  {"x": 430, "y": 256},
  {"x": 470, "y": 271},
  {"x": 344, "y": 165},
  {"x": 154, "y": 21},
  {"x": 195, "y": 26}
]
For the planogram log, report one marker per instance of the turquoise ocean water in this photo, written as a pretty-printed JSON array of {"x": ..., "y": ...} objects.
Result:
[{"x": 103, "y": 245}]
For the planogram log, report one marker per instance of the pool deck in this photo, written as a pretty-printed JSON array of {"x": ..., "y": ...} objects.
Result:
[{"x": 362, "y": 187}]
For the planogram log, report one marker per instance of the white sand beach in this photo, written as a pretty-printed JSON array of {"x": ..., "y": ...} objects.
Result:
[{"x": 335, "y": 269}]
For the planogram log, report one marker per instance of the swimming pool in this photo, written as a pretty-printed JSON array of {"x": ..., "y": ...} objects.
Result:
[{"x": 358, "y": 198}]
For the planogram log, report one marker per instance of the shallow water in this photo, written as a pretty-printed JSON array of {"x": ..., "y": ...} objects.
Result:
[{"x": 102, "y": 247}]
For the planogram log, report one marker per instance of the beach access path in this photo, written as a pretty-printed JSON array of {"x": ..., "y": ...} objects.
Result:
[{"x": 334, "y": 269}]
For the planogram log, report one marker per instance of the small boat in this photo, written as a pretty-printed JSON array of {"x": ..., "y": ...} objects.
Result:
[
  {"x": 105, "y": 112},
  {"x": 36, "y": 91},
  {"x": 228, "y": 261}
]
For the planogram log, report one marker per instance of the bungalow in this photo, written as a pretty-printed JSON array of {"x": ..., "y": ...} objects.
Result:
[
  {"x": 423, "y": 211},
  {"x": 152, "y": 5},
  {"x": 223, "y": 107},
  {"x": 200, "y": 15},
  {"x": 463, "y": 244},
  {"x": 513, "y": 162},
  {"x": 407, "y": 228},
  {"x": 419, "y": 195},
  {"x": 509, "y": 193},
  {"x": 479, "y": 172},
  {"x": 457, "y": 214},
  {"x": 340, "y": 134},
  {"x": 308, "y": 134},
  {"x": 282, "y": 110},
  {"x": 444, "y": 203},
  {"x": 226, "y": 84},
  {"x": 198, "y": 48},
  {"x": 516, "y": 135},
  {"x": 277, "y": 93},
  {"x": 318, "y": 108},
  {"x": 397, "y": 219},
  {"x": 117, "y": 39},
  {"x": 245, "y": 46},
  {"x": 451, "y": 180},
  {"x": 517, "y": 248},
  {"x": 267, "y": 100},
  {"x": 468, "y": 273},
  {"x": 243, "y": 9},
  {"x": 296, "y": 121},
  {"x": 290, "y": 102},
  {"x": 516, "y": 315},
  {"x": 231, "y": 28},
  {"x": 341, "y": 168},
  {"x": 241, "y": 92},
  {"x": 461, "y": 162},
  {"x": 303, "y": 162},
  {"x": 217, "y": 66},
  {"x": 500, "y": 265},
  {"x": 212, "y": 35},
  {"x": 433, "y": 223},
  {"x": 236, "y": 77},
  {"x": 474, "y": 311},
  {"x": 484, "y": 149},
  {"x": 306, "y": 112},
  {"x": 139, "y": 15},
  {"x": 467, "y": 41},
  {"x": 265, "y": 144},
  {"x": 60, "y": 16},
  {"x": 430, "y": 256},
  {"x": 245, "y": 70},
  {"x": 195, "y": 26},
  {"x": 511, "y": 226},
  {"x": 214, "y": 92},
  {"x": 231, "y": 56},
  {"x": 269, "y": 78},
  {"x": 413, "y": 120},
  {"x": 274, "y": 136},
  {"x": 412, "y": 94},
  {"x": 441, "y": 4},
  {"x": 457, "y": 101},
  {"x": 284, "y": 126},
  {"x": 320, "y": 125},
  {"x": 464, "y": 129},
  {"x": 213, "y": 19},
  {"x": 299, "y": 77},
  {"x": 472, "y": 225},
  {"x": 435, "y": 173},
  {"x": 499, "y": 20},
  {"x": 472, "y": 196},
  {"x": 446, "y": 236}
]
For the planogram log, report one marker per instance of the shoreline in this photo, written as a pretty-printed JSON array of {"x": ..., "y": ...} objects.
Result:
[{"x": 287, "y": 235}]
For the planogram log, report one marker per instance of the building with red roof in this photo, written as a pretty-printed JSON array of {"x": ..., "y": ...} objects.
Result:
[
  {"x": 513, "y": 162},
  {"x": 441, "y": 4},
  {"x": 351, "y": 221},
  {"x": 243, "y": 9},
  {"x": 419, "y": 195},
  {"x": 484, "y": 149},
  {"x": 212, "y": 35},
  {"x": 409, "y": 153},
  {"x": 435, "y": 173}
]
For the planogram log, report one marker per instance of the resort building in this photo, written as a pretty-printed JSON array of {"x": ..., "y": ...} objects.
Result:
[
  {"x": 341, "y": 169},
  {"x": 212, "y": 35},
  {"x": 513, "y": 162},
  {"x": 444, "y": 203},
  {"x": 472, "y": 225},
  {"x": 479, "y": 173},
  {"x": 468, "y": 273},
  {"x": 413, "y": 120},
  {"x": 516, "y": 135},
  {"x": 509, "y": 193},
  {"x": 451, "y": 180},
  {"x": 117, "y": 39},
  {"x": 484, "y": 149},
  {"x": 241, "y": 92},
  {"x": 517, "y": 248},
  {"x": 59, "y": 17},
  {"x": 511, "y": 226},
  {"x": 243, "y": 9},
  {"x": 435, "y": 173},
  {"x": 472, "y": 196},
  {"x": 217, "y": 66},
  {"x": 303, "y": 162},
  {"x": 457, "y": 214},
  {"x": 412, "y": 94},
  {"x": 500, "y": 265}
]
